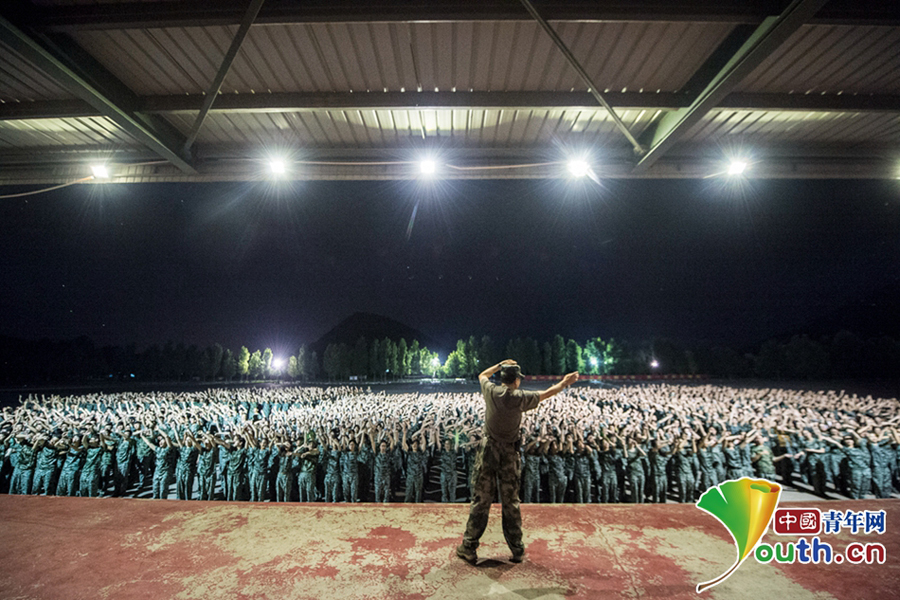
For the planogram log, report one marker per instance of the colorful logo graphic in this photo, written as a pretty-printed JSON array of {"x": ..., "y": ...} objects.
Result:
[{"x": 745, "y": 507}]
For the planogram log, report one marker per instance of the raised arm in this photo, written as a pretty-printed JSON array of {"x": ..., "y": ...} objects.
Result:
[
  {"x": 556, "y": 388},
  {"x": 487, "y": 373}
]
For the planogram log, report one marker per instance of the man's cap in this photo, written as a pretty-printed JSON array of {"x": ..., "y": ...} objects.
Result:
[{"x": 510, "y": 373}]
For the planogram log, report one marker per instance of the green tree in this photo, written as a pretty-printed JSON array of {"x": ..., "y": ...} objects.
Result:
[
  {"x": 331, "y": 361},
  {"x": 216, "y": 353},
  {"x": 574, "y": 358},
  {"x": 243, "y": 362},
  {"x": 487, "y": 353},
  {"x": 547, "y": 359},
  {"x": 360, "y": 359},
  {"x": 390, "y": 357},
  {"x": 303, "y": 366},
  {"x": 403, "y": 358},
  {"x": 267, "y": 370},
  {"x": 376, "y": 359},
  {"x": 415, "y": 358},
  {"x": 229, "y": 365},
  {"x": 558, "y": 356},
  {"x": 313, "y": 366},
  {"x": 293, "y": 370},
  {"x": 255, "y": 365}
]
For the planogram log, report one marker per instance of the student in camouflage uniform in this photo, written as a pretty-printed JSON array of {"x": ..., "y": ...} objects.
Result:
[
  {"x": 531, "y": 471},
  {"x": 383, "y": 467},
  {"x": 186, "y": 466},
  {"x": 416, "y": 464},
  {"x": 762, "y": 458},
  {"x": 259, "y": 455},
  {"x": 125, "y": 449},
  {"x": 636, "y": 465},
  {"x": 659, "y": 460},
  {"x": 350, "y": 459},
  {"x": 331, "y": 458},
  {"x": 582, "y": 472},
  {"x": 309, "y": 460},
  {"x": 23, "y": 453},
  {"x": 882, "y": 455},
  {"x": 684, "y": 468},
  {"x": 498, "y": 457},
  {"x": 609, "y": 456},
  {"x": 206, "y": 466},
  {"x": 859, "y": 460},
  {"x": 163, "y": 454},
  {"x": 45, "y": 472},
  {"x": 448, "y": 470},
  {"x": 288, "y": 463},
  {"x": 556, "y": 478},
  {"x": 89, "y": 486},
  {"x": 68, "y": 477}
]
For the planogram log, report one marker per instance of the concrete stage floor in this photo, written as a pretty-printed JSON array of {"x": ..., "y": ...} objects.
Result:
[{"x": 74, "y": 548}]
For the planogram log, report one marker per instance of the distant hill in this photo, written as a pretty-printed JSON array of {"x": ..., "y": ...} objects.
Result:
[{"x": 370, "y": 327}]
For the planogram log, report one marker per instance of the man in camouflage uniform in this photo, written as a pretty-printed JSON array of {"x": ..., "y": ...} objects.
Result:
[
  {"x": 498, "y": 456},
  {"x": 659, "y": 460}
]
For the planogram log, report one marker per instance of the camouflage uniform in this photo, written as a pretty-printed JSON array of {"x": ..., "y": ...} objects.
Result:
[
  {"x": 881, "y": 469},
  {"x": 415, "y": 475},
  {"x": 383, "y": 473},
  {"x": 332, "y": 459},
  {"x": 684, "y": 464},
  {"x": 448, "y": 476},
  {"x": 582, "y": 473},
  {"x": 609, "y": 486},
  {"x": 350, "y": 475},
  {"x": 499, "y": 459},
  {"x": 307, "y": 483},
  {"x": 637, "y": 464},
  {"x": 557, "y": 478},
  {"x": 531, "y": 476},
  {"x": 659, "y": 460}
]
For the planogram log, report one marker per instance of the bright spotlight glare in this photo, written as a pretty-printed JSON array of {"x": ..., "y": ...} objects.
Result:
[
  {"x": 654, "y": 364},
  {"x": 737, "y": 167},
  {"x": 278, "y": 363},
  {"x": 579, "y": 168},
  {"x": 428, "y": 167},
  {"x": 100, "y": 171},
  {"x": 594, "y": 361},
  {"x": 278, "y": 167}
]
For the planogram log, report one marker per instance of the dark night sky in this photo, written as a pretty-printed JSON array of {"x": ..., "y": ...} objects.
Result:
[{"x": 267, "y": 265}]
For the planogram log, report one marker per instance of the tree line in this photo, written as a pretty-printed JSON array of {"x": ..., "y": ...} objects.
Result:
[{"x": 841, "y": 356}]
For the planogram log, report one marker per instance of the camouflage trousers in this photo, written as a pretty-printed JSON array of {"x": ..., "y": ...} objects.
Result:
[{"x": 496, "y": 462}]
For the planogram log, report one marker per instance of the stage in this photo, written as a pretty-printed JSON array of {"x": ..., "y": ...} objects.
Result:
[{"x": 86, "y": 548}]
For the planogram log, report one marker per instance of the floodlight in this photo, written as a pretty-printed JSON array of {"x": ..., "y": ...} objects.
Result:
[
  {"x": 428, "y": 167},
  {"x": 654, "y": 364},
  {"x": 593, "y": 361},
  {"x": 579, "y": 168},
  {"x": 100, "y": 171},
  {"x": 278, "y": 363},
  {"x": 737, "y": 167},
  {"x": 277, "y": 166}
]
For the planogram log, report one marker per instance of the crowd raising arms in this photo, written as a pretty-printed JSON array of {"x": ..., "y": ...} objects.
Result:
[{"x": 586, "y": 444}]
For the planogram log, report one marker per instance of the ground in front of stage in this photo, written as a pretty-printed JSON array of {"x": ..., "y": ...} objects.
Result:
[{"x": 94, "y": 548}]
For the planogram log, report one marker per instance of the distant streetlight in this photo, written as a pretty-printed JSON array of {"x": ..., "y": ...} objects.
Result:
[
  {"x": 436, "y": 364},
  {"x": 654, "y": 364},
  {"x": 278, "y": 364}
]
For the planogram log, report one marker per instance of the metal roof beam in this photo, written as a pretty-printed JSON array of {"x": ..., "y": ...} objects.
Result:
[
  {"x": 213, "y": 92},
  {"x": 74, "y": 70},
  {"x": 320, "y": 102},
  {"x": 198, "y": 13},
  {"x": 773, "y": 32},
  {"x": 585, "y": 78}
]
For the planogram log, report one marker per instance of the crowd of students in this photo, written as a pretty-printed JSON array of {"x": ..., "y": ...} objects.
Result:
[{"x": 650, "y": 443}]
